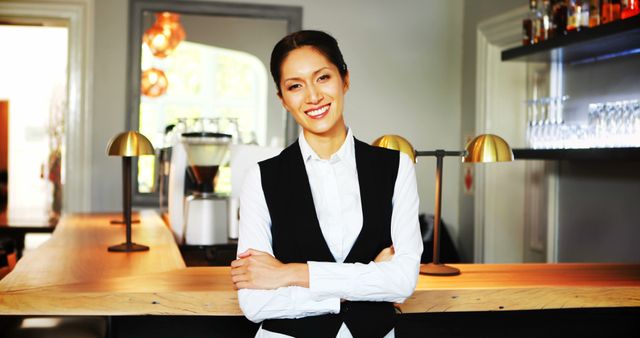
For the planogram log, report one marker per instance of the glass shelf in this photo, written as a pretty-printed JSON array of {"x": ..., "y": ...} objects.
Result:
[
  {"x": 614, "y": 39},
  {"x": 590, "y": 154}
]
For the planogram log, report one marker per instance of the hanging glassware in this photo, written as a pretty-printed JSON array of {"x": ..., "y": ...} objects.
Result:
[
  {"x": 165, "y": 34},
  {"x": 153, "y": 83}
]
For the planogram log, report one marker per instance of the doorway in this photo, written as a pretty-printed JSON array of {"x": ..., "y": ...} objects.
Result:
[
  {"x": 33, "y": 87},
  {"x": 501, "y": 207}
]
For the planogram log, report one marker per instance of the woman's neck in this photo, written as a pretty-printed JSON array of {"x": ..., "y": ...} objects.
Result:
[{"x": 328, "y": 143}]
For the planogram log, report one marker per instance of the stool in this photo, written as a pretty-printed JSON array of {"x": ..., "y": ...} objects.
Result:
[{"x": 7, "y": 256}]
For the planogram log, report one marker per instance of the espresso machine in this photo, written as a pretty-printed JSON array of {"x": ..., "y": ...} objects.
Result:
[{"x": 198, "y": 215}]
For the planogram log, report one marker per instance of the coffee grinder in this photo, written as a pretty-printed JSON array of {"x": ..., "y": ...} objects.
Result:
[{"x": 205, "y": 153}]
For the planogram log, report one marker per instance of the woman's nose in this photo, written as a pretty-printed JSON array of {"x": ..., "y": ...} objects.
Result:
[{"x": 314, "y": 95}]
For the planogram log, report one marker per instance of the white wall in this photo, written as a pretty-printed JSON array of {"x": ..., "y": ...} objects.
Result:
[{"x": 405, "y": 62}]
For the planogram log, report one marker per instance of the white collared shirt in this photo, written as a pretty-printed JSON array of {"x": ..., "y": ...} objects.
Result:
[{"x": 336, "y": 195}]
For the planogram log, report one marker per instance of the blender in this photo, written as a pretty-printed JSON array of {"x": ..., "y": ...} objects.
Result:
[{"x": 206, "y": 152}]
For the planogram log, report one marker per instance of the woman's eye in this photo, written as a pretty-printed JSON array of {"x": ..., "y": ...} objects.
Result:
[
  {"x": 324, "y": 77},
  {"x": 293, "y": 86}
]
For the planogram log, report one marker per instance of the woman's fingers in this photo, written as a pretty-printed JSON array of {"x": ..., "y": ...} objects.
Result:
[
  {"x": 242, "y": 285},
  {"x": 240, "y": 278},
  {"x": 256, "y": 269},
  {"x": 385, "y": 255},
  {"x": 238, "y": 271},
  {"x": 251, "y": 252}
]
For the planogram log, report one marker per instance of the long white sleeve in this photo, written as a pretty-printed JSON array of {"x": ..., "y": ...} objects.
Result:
[
  {"x": 255, "y": 233},
  {"x": 336, "y": 195},
  {"x": 392, "y": 281}
]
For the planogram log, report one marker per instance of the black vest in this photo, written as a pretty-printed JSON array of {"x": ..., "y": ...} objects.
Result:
[{"x": 297, "y": 237}]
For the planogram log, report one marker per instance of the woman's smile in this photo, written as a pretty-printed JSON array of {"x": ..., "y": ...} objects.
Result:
[{"x": 318, "y": 113}]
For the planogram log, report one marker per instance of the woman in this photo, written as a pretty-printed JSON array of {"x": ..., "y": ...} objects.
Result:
[{"x": 329, "y": 234}]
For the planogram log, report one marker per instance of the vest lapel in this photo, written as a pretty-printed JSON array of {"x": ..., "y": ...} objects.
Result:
[
  {"x": 367, "y": 185},
  {"x": 301, "y": 200}
]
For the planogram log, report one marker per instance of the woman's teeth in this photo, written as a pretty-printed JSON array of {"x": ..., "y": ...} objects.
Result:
[{"x": 318, "y": 111}]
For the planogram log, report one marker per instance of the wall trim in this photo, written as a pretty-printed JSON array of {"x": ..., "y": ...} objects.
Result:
[
  {"x": 79, "y": 16},
  {"x": 501, "y": 31},
  {"x": 553, "y": 187}
]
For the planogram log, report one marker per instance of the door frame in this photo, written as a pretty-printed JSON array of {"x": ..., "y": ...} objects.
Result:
[
  {"x": 501, "y": 31},
  {"x": 79, "y": 16}
]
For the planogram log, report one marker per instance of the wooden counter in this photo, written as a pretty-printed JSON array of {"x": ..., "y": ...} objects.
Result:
[{"x": 73, "y": 274}]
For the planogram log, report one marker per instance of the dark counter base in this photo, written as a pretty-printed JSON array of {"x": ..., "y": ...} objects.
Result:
[
  {"x": 619, "y": 322},
  {"x": 175, "y": 327},
  {"x": 615, "y": 322}
]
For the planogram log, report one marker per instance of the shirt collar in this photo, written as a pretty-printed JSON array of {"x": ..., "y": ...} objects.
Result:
[{"x": 346, "y": 152}]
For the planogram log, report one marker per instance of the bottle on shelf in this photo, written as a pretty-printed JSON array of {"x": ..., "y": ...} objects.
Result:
[
  {"x": 545, "y": 21},
  {"x": 584, "y": 14},
  {"x": 610, "y": 11},
  {"x": 577, "y": 15},
  {"x": 594, "y": 13},
  {"x": 631, "y": 9},
  {"x": 531, "y": 24},
  {"x": 559, "y": 18}
]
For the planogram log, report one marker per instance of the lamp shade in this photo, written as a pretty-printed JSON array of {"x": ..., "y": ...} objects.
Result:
[
  {"x": 488, "y": 148},
  {"x": 128, "y": 144},
  {"x": 396, "y": 142},
  {"x": 153, "y": 82},
  {"x": 165, "y": 34}
]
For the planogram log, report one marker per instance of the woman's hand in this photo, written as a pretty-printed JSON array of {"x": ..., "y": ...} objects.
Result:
[
  {"x": 385, "y": 255},
  {"x": 259, "y": 270}
]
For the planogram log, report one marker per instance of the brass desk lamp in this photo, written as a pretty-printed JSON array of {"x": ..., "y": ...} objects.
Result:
[
  {"x": 482, "y": 149},
  {"x": 127, "y": 145}
]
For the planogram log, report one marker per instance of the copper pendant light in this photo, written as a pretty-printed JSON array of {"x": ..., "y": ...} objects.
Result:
[
  {"x": 165, "y": 34},
  {"x": 154, "y": 82}
]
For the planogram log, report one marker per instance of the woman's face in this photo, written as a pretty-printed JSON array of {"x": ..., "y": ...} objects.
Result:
[{"x": 313, "y": 91}]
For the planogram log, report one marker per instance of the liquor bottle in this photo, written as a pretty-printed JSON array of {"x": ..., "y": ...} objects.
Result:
[
  {"x": 584, "y": 14},
  {"x": 531, "y": 24},
  {"x": 559, "y": 10},
  {"x": 577, "y": 15},
  {"x": 545, "y": 21},
  {"x": 573, "y": 15},
  {"x": 631, "y": 9},
  {"x": 594, "y": 13},
  {"x": 610, "y": 11}
]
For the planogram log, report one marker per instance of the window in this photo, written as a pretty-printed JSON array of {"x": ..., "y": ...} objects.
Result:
[{"x": 203, "y": 81}]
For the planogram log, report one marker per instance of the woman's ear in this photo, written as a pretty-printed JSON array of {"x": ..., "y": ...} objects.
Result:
[
  {"x": 282, "y": 101},
  {"x": 346, "y": 82},
  {"x": 280, "y": 98}
]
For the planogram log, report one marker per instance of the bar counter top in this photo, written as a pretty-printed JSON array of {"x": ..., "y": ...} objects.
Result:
[{"x": 74, "y": 274}]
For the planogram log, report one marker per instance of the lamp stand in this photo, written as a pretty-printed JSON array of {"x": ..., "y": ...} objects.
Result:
[
  {"x": 127, "y": 246},
  {"x": 436, "y": 268},
  {"x": 117, "y": 221}
]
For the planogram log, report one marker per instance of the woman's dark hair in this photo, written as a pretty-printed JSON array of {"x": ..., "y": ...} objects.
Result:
[{"x": 320, "y": 41}]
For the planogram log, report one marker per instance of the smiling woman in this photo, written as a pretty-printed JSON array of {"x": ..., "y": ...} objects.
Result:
[{"x": 329, "y": 234}]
